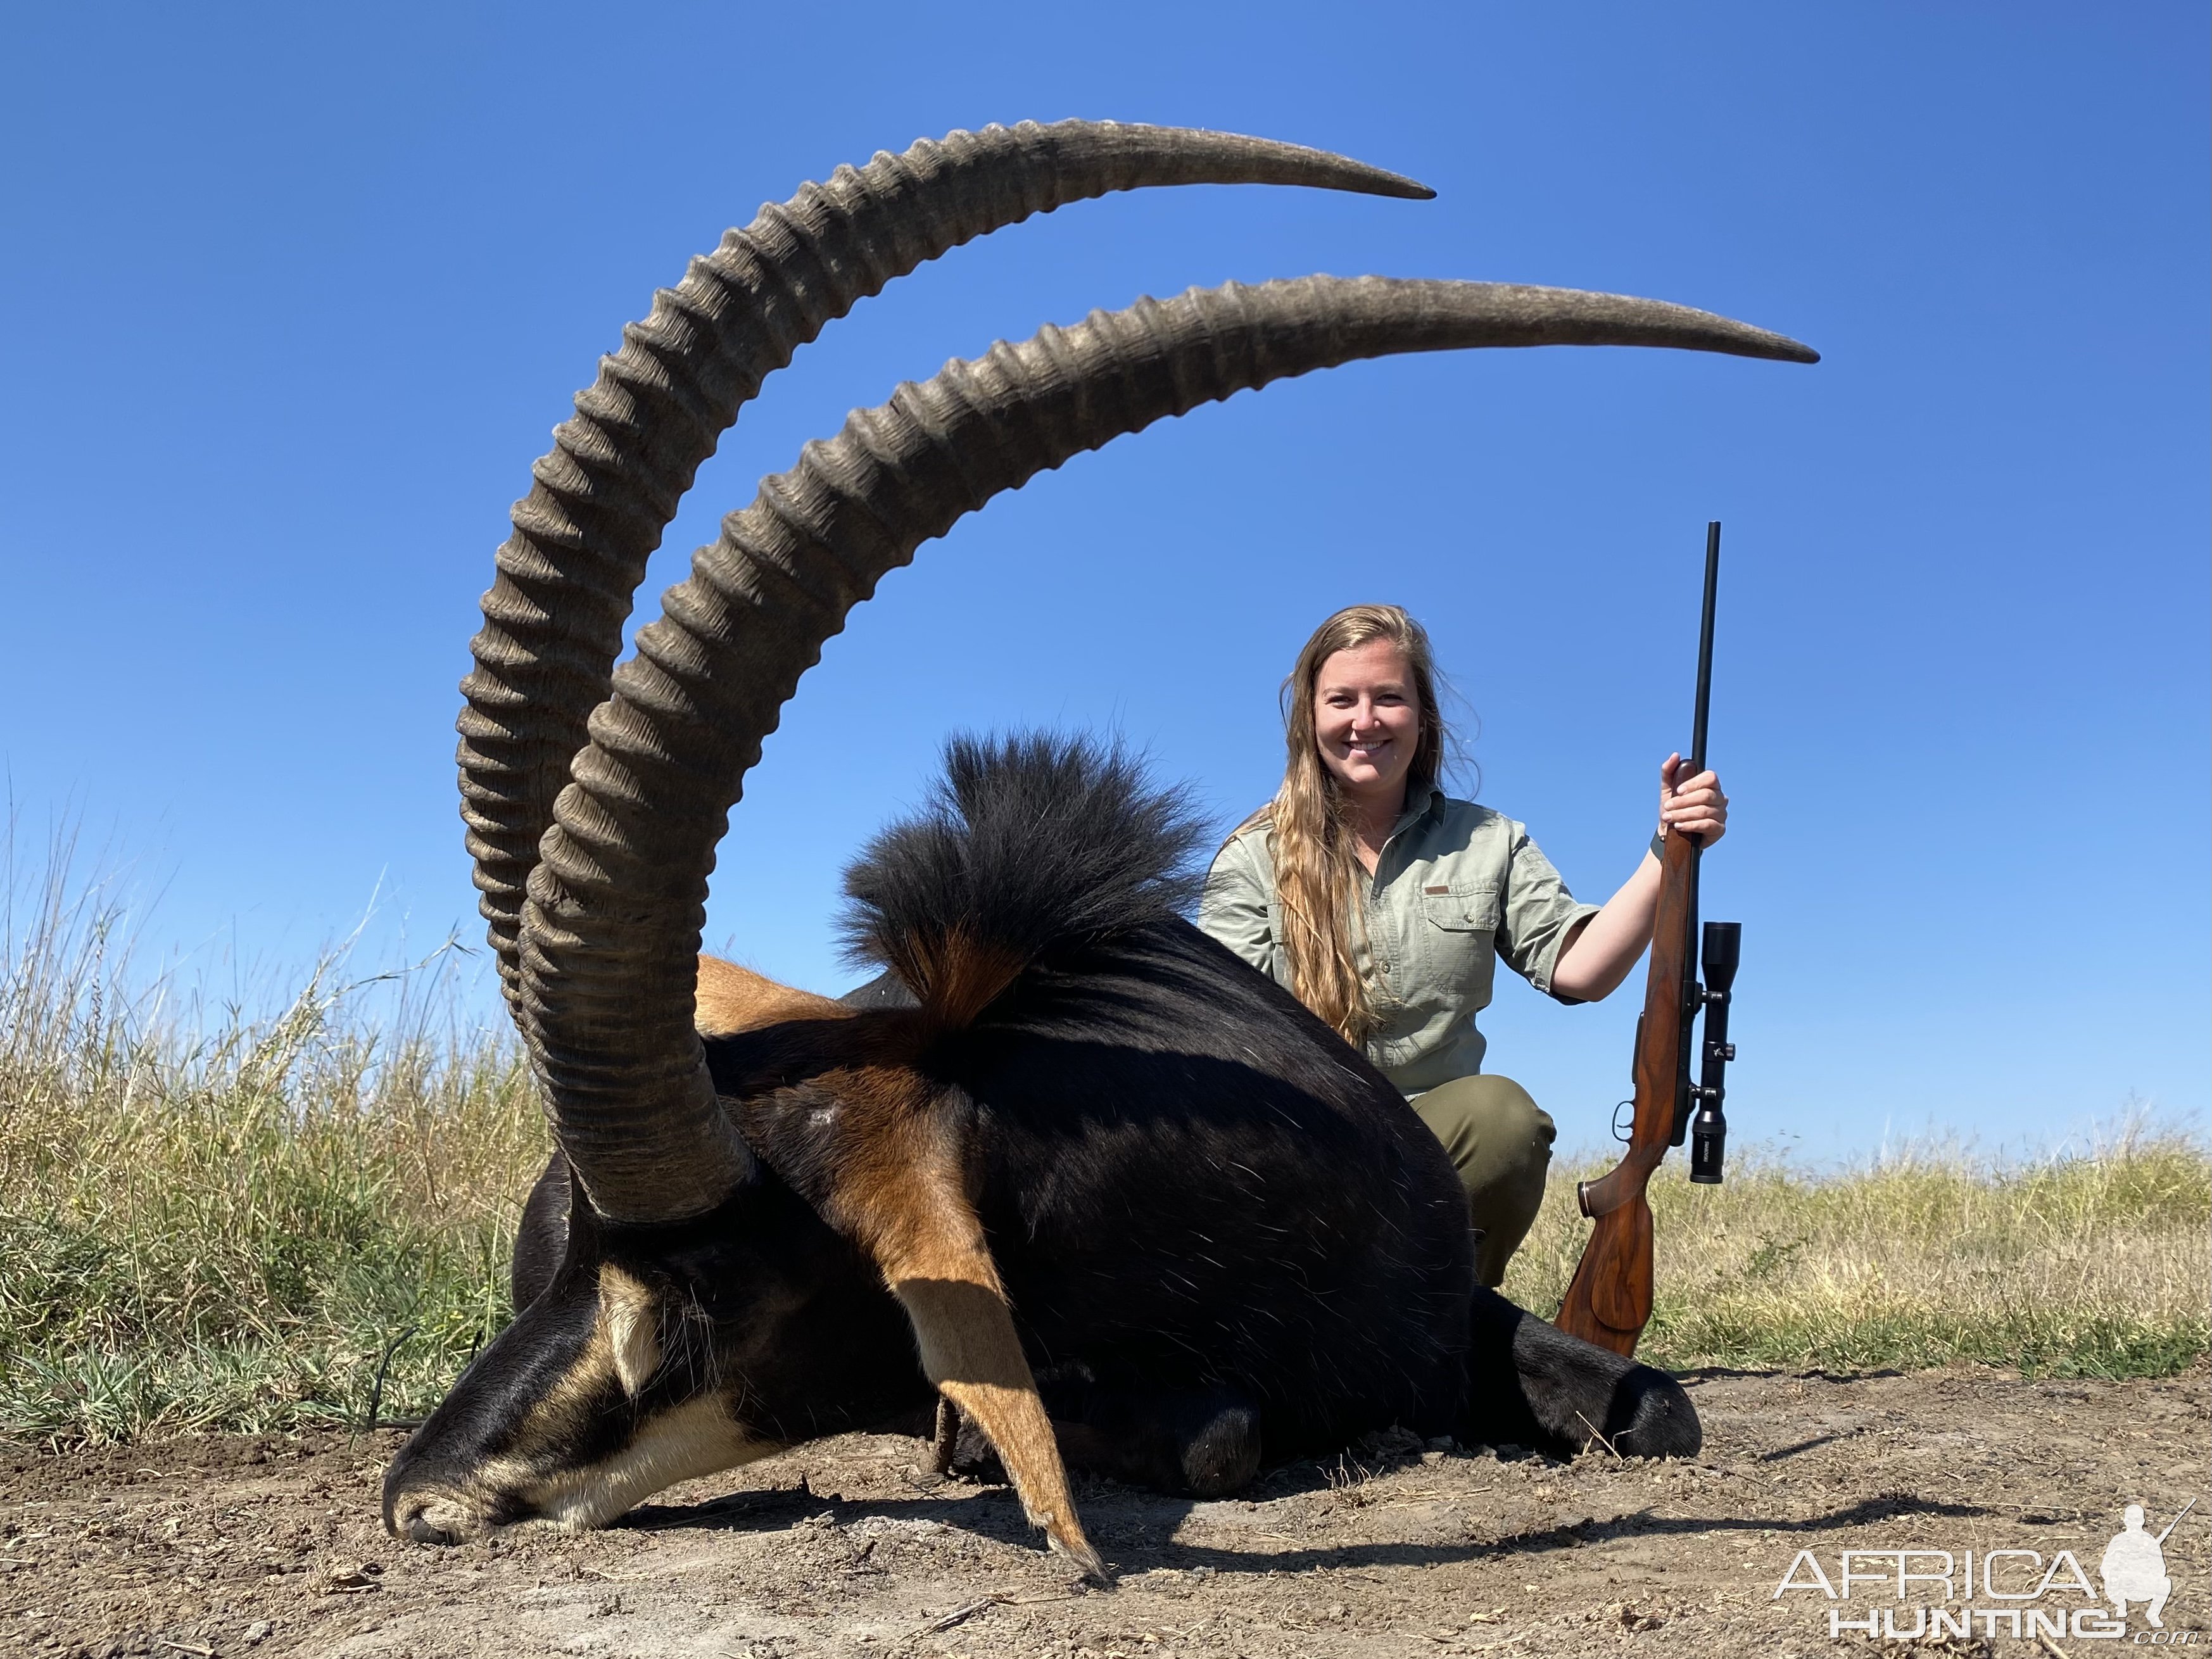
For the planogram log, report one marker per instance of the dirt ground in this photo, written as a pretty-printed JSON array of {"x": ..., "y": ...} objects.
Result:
[{"x": 271, "y": 1544}]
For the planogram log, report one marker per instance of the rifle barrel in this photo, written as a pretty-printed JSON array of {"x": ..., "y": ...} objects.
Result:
[
  {"x": 1705, "y": 645},
  {"x": 2176, "y": 1521}
]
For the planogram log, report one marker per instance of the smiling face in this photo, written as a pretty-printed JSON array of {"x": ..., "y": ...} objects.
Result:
[{"x": 1367, "y": 722}]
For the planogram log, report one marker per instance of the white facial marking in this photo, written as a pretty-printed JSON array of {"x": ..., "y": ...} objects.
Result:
[
  {"x": 633, "y": 1326},
  {"x": 698, "y": 1437}
]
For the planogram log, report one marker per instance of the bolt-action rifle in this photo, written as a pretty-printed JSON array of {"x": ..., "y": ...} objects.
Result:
[{"x": 1610, "y": 1301}]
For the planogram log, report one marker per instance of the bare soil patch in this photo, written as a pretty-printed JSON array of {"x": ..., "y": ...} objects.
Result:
[{"x": 271, "y": 1544}]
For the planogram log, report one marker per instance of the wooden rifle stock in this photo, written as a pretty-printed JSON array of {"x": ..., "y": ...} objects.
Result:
[{"x": 1608, "y": 1302}]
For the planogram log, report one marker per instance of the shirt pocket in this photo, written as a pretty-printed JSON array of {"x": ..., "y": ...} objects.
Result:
[
  {"x": 1458, "y": 942},
  {"x": 1462, "y": 908}
]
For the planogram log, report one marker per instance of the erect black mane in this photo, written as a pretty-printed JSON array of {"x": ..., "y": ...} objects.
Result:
[{"x": 1029, "y": 842}]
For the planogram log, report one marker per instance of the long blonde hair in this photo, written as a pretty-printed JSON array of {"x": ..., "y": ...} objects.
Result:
[{"x": 1317, "y": 872}]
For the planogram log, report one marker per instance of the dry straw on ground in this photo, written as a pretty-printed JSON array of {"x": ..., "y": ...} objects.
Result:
[{"x": 212, "y": 1220}]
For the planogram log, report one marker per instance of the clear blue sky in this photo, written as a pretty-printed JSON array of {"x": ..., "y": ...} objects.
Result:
[{"x": 293, "y": 296}]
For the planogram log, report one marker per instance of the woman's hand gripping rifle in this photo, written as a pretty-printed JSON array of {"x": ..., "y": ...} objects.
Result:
[{"x": 1609, "y": 1300}]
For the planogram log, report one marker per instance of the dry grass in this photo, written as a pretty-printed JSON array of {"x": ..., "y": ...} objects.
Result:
[
  {"x": 208, "y": 1220},
  {"x": 2090, "y": 1263}
]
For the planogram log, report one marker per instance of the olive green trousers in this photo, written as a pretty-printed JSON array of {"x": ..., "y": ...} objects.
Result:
[{"x": 1500, "y": 1142}]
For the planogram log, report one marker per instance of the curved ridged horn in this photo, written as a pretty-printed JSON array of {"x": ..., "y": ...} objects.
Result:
[
  {"x": 618, "y": 901},
  {"x": 554, "y": 617}
]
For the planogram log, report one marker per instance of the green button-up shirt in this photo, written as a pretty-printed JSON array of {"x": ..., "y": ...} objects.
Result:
[{"x": 1457, "y": 886}]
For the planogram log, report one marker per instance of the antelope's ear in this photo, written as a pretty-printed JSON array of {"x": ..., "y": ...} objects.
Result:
[{"x": 631, "y": 1318}]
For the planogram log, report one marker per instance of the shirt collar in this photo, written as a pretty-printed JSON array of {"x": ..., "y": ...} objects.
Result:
[{"x": 1419, "y": 802}]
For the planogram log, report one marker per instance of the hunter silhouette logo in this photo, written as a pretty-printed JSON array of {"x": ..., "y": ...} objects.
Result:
[
  {"x": 2134, "y": 1567},
  {"x": 1941, "y": 1594}
]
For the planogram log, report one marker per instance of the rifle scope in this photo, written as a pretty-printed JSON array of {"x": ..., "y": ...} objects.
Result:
[{"x": 1722, "y": 948}]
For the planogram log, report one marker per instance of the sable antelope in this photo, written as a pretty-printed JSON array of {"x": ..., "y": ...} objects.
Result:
[{"x": 1109, "y": 1194}]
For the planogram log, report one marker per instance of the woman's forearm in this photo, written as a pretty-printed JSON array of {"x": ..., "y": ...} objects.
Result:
[{"x": 1598, "y": 957}]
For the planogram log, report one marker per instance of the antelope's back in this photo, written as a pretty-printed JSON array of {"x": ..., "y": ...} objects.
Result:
[{"x": 1189, "y": 1178}]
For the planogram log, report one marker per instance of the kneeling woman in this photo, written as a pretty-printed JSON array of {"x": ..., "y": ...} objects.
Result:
[{"x": 1383, "y": 904}]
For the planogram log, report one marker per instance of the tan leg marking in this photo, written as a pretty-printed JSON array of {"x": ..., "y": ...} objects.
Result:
[
  {"x": 969, "y": 1349},
  {"x": 900, "y": 1195}
]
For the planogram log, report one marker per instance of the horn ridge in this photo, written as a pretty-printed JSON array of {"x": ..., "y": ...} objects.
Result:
[
  {"x": 635, "y": 833},
  {"x": 600, "y": 499}
]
